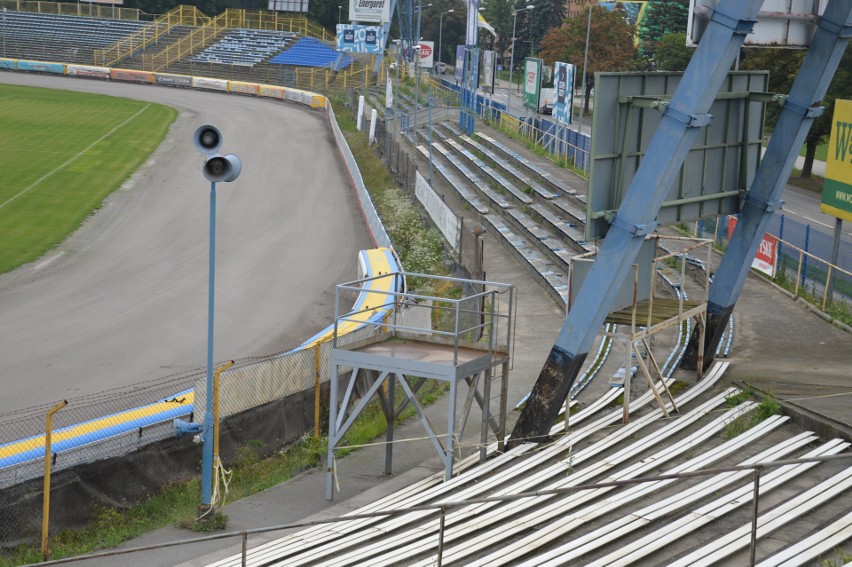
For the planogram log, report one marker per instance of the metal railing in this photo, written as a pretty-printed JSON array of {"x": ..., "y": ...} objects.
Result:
[
  {"x": 150, "y": 34},
  {"x": 72, "y": 9},
  {"x": 440, "y": 510}
]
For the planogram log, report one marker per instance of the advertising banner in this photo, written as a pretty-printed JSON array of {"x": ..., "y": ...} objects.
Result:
[
  {"x": 767, "y": 253},
  {"x": 244, "y": 88},
  {"x": 353, "y": 38},
  {"x": 427, "y": 54},
  {"x": 131, "y": 76},
  {"x": 41, "y": 67},
  {"x": 87, "y": 71},
  {"x": 369, "y": 11},
  {"x": 488, "y": 63},
  {"x": 564, "y": 85},
  {"x": 288, "y": 5},
  {"x": 837, "y": 189},
  {"x": 459, "y": 62},
  {"x": 532, "y": 82},
  {"x": 471, "y": 34},
  {"x": 444, "y": 218},
  {"x": 7, "y": 64},
  {"x": 210, "y": 84},
  {"x": 172, "y": 80}
]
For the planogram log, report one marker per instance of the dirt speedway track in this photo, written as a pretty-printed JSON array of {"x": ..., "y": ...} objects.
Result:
[{"x": 124, "y": 299}]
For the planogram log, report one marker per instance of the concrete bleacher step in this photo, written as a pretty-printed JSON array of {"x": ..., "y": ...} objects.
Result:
[
  {"x": 554, "y": 282},
  {"x": 491, "y": 196},
  {"x": 569, "y": 231},
  {"x": 497, "y": 180},
  {"x": 504, "y": 165},
  {"x": 558, "y": 185},
  {"x": 605, "y": 525},
  {"x": 557, "y": 236},
  {"x": 456, "y": 183}
]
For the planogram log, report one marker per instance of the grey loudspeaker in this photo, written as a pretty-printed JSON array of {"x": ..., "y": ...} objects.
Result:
[
  {"x": 222, "y": 168},
  {"x": 207, "y": 139}
]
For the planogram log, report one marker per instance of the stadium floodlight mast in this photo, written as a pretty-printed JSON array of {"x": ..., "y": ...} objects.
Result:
[
  {"x": 441, "y": 34},
  {"x": 227, "y": 168}
]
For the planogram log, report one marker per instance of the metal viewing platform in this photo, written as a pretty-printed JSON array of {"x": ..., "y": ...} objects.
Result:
[{"x": 457, "y": 331}]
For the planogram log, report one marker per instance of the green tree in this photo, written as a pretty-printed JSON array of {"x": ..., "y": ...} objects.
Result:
[
  {"x": 840, "y": 88},
  {"x": 610, "y": 45},
  {"x": 783, "y": 66},
  {"x": 672, "y": 54},
  {"x": 498, "y": 13},
  {"x": 660, "y": 18},
  {"x": 546, "y": 15}
]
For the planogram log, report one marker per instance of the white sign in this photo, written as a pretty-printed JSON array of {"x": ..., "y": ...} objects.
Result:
[
  {"x": 369, "y": 10},
  {"x": 488, "y": 61},
  {"x": 443, "y": 217},
  {"x": 780, "y": 23},
  {"x": 289, "y": 5},
  {"x": 427, "y": 54}
]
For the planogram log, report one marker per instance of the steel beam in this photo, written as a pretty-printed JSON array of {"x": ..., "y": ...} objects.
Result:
[
  {"x": 682, "y": 120},
  {"x": 764, "y": 197}
]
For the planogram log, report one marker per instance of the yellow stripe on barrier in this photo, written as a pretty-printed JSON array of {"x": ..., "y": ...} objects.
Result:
[
  {"x": 378, "y": 296},
  {"x": 95, "y": 425}
]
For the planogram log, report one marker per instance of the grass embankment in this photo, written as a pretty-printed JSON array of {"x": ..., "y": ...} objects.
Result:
[{"x": 64, "y": 152}]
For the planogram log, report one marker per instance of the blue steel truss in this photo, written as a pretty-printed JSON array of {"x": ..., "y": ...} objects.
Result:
[{"x": 683, "y": 119}]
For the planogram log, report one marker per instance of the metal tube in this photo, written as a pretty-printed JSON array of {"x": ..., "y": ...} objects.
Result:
[
  {"x": 585, "y": 71},
  {"x": 207, "y": 428},
  {"x": 218, "y": 371},
  {"x": 753, "y": 549},
  {"x": 317, "y": 360},
  {"x": 45, "y": 501},
  {"x": 441, "y": 536}
]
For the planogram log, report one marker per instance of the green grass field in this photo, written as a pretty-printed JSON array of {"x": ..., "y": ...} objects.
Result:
[{"x": 63, "y": 153}]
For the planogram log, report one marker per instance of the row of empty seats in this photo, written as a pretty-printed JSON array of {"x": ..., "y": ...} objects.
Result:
[
  {"x": 68, "y": 38},
  {"x": 245, "y": 47},
  {"x": 310, "y": 52}
]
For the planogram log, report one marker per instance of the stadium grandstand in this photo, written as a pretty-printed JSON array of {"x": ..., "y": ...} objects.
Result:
[
  {"x": 53, "y": 37},
  {"x": 245, "y": 47},
  {"x": 235, "y": 45}
]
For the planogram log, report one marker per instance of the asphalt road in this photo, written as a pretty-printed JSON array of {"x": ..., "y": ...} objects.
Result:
[{"x": 124, "y": 299}]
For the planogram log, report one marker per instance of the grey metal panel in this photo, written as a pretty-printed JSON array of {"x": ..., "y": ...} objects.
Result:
[{"x": 722, "y": 160}]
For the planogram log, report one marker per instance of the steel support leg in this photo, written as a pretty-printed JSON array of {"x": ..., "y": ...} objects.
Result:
[
  {"x": 764, "y": 196},
  {"x": 682, "y": 120}
]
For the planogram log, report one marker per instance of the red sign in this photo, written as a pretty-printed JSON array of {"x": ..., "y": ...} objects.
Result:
[
  {"x": 425, "y": 51},
  {"x": 764, "y": 260}
]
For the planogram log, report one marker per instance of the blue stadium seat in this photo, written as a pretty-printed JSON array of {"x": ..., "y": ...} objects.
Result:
[{"x": 309, "y": 52}]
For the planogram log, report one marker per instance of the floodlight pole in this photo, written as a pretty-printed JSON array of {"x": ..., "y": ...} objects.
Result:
[
  {"x": 585, "y": 69},
  {"x": 207, "y": 431},
  {"x": 441, "y": 34}
]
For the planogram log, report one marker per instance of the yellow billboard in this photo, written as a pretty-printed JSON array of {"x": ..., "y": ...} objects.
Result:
[{"x": 837, "y": 190}]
